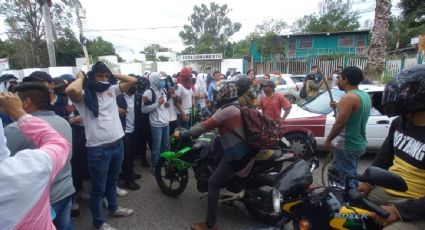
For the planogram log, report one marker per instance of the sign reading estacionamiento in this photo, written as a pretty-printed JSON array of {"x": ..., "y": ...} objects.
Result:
[{"x": 197, "y": 57}]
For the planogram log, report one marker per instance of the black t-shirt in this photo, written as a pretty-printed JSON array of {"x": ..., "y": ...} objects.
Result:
[
  {"x": 403, "y": 153},
  {"x": 59, "y": 107}
]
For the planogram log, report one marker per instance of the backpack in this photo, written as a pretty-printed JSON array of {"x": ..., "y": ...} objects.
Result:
[
  {"x": 150, "y": 102},
  {"x": 261, "y": 132}
]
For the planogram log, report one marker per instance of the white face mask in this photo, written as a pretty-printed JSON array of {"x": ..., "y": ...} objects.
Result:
[{"x": 104, "y": 82}]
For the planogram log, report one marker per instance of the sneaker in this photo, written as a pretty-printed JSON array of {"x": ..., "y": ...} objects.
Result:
[
  {"x": 121, "y": 192},
  {"x": 122, "y": 212},
  {"x": 136, "y": 176},
  {"x": 106, "y": 226},
  {"x": 131, "y": 185},
  {"x": 84, "y": 195}
]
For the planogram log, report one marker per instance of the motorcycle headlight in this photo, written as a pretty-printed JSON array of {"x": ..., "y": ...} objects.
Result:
[{"x": 276, "y": 198}]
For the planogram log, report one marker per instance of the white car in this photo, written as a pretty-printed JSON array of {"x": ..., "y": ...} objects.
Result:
[
  {"x": 285, "y": 86},
  {"x": 316, "y": 116},
  {"x": 299, "y": 80}
]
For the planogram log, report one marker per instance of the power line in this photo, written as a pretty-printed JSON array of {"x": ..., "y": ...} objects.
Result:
[{"x": 126, "y": 29}]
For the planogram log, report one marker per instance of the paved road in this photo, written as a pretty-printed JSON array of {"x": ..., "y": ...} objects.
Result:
[{"x": 154, "y": 210}]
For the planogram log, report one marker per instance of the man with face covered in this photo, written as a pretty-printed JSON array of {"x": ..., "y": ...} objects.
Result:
[
  {"x": 155, "y": 103},
  {"x": 126, "y": 108},
  {"x": 94, "y": 97}
]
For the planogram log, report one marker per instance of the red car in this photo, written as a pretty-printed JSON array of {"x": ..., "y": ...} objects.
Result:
[{"x": 316, "y": 116}]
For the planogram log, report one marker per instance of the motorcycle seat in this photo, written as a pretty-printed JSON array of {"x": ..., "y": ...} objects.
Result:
[{"x": 267, "y": 155}]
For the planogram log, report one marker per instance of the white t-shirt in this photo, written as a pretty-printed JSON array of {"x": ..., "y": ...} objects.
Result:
[
  {"x": 186, "y": 97},
  {"x": 105, "y": 128},
  {"x": 129, "y": 118},
  {"x": 334, "y": 76},
  {"x": 172, "y": 110}
]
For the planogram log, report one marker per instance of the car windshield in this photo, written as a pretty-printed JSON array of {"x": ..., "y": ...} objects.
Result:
[
  {"x": 297, "y": 79},
  {"x": 320, "y": 103}
]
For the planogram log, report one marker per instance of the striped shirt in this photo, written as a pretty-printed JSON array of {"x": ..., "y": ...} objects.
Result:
[{"x": 272, "y": 106}]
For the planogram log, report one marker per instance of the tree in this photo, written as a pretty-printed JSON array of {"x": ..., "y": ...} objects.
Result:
[
  {"x": 410, "y": 23},
  {"x": 272, "y": 25},
  {"x": 376, "y": 53},
  {"x": 23, "y": 19},
  {"x": 188, "y": 50},
  {"x": 269, "y": 46},
  {"x": 67, "y": 49},
  {"x": 209, "y": 27},
  {"x": 163, "y": 58},
  {"x": 335, "y": 15},
  {"x": 151, "y": 50},
  {"x": 413, "y": 14},
  {"x": 241, "y": 48},
  {"x": 99, "y": 47}
]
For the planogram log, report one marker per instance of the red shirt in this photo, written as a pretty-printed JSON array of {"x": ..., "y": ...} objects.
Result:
[{"x": 271, "y": 106}]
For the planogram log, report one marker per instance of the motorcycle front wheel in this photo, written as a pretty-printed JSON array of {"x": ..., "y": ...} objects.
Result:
[
  {"x": 170, "y": 180},
  {"x": 259, "y": 205}
]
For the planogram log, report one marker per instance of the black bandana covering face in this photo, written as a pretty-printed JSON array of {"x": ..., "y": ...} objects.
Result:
[{"x": 91, "y": 86}]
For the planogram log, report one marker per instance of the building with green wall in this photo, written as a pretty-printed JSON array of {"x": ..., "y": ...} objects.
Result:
[{"x": 304, "y": 46}]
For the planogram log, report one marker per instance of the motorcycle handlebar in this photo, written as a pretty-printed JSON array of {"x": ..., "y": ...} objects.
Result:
[
  {"x": 359, "y": 199},
  {"x": 375, "y": 208}
]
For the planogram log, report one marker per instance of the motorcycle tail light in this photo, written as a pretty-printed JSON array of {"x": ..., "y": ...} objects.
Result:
[{"x": 304, "y": 224}]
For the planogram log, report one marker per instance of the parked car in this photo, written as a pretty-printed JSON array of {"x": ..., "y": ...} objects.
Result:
[
  {"x": 285, "y": 86},
  {"x": 298, "y": 80},
  {"x": 316, "y": 115}
]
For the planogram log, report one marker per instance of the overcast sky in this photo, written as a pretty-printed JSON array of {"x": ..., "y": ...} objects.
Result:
[{"x": 139, "y": 15}]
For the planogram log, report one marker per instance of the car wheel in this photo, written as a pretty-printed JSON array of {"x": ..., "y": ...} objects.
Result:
[
  {"x": 299, "y": 145},
  {"x": 291, "y": 99}
]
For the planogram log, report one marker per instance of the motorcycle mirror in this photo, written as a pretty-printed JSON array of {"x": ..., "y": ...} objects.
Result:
[{"x": 383, "y": 178}]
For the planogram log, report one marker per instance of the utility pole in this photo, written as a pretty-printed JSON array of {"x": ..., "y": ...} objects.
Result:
[
  {"x": 49, "y": 31},
  {"x": 83, "y": 40}
]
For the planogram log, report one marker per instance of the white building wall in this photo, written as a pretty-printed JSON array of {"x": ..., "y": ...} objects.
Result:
[
  {"x": 134, "y": 68},
  {"x": 170, "y": 67},
  {"x": 58, "y": 71},
  {"x": 228, "y": 64},
  {"x": 18, "y": 73}
]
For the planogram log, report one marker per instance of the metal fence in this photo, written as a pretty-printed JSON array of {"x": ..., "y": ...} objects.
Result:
[{"x": 393, "y": 65}]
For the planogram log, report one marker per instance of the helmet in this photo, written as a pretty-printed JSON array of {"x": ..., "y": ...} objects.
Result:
[
  {"x": 225, "y": 92},
  {"x": 242, "y": 82},
  {"x": 405, "y": 93}
]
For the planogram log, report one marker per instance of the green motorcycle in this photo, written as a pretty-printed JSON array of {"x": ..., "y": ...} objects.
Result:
[{"x": 254, "y": 190}]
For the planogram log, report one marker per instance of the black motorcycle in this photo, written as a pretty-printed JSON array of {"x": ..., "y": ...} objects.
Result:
[{"x": 253, "y": 191}]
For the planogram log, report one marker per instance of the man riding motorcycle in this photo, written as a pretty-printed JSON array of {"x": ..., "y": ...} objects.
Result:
[
  {"x": 237, "y": 154},
  {"x": 403, "y": 152}
]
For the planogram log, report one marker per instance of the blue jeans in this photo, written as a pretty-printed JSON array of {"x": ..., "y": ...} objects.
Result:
[
  {"x": 345, "y": 162},
  {"x": 63, "y": 213},
  {"x": 104, "y": 166},
  {"x": 160, "y": 137}
]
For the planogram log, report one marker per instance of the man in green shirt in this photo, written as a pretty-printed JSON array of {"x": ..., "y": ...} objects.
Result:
[{"x": 348, "y": 134}]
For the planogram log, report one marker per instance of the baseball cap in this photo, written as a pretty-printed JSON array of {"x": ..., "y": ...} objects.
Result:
[
  {"x": 268, "y": 83},
  {"x": 38, "y": 76},
  {"x": 59, "y": 82}
]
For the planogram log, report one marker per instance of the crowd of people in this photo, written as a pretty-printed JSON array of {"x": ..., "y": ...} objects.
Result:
[{"x": 66, "y": 130}]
